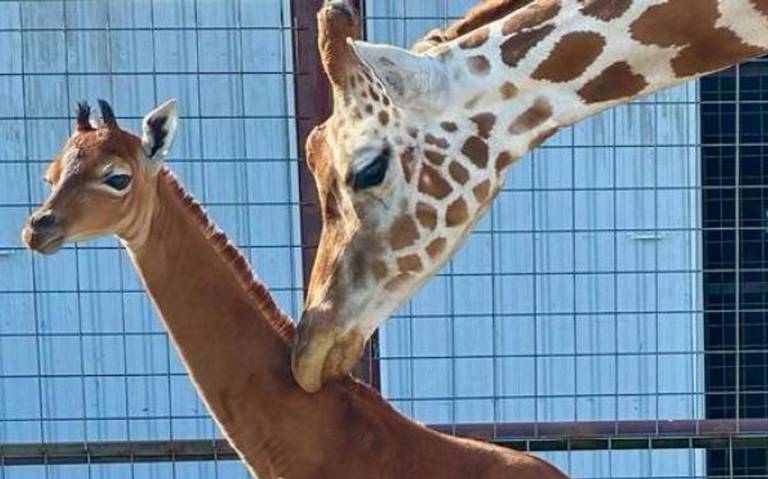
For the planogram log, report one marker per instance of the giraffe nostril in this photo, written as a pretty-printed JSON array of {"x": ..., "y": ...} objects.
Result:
[{"x": 43, "y": 220}]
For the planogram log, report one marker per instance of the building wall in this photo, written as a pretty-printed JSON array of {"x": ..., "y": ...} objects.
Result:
[{"x": 82, "y": 356}]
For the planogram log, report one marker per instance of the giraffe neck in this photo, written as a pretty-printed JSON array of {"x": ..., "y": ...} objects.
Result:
[
  {"x": 230, "y": 335},
  {"x": 554, "y": 62}
]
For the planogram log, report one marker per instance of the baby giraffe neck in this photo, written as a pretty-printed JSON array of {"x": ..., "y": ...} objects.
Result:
[{"x": 232, "y": 338}]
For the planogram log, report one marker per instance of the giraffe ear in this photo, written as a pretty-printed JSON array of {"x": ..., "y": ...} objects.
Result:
[
  {"x": 411, "y": 80},
  {"x": 158, "y": 130}
]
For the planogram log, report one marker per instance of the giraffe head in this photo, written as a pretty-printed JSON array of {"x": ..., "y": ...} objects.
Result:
[
  {"x": 404, "y": 167},
  {"x": 101, "y": 180}
]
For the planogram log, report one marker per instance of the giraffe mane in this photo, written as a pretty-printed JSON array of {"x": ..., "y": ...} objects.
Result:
[
  {"x": 478, "y": 16},
  {"x": 233, "y": 257},
  {"x": 281, "y": 322}
]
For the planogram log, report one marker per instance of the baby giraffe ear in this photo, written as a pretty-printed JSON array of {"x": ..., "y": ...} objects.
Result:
[
  {"x": 412, "y": 80},
  {"x": 158, "y": 130}
]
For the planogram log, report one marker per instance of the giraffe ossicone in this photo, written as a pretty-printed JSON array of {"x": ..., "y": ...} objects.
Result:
[{"x": 441, "y": 124}]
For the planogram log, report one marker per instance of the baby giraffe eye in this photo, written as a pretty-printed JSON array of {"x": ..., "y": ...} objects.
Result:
[
  {"x": 372, "y": 174},
  {"x": 118, "y": 182}
]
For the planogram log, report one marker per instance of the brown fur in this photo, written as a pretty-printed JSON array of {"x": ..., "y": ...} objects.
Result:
[
  {"x": 476, "y": 149},
  {"x": 690, "y": 24},
  {"x": 534, "y": 116},
  {"x": 427, "y": 215},
  {"x": 605, "y": 10},
  {"x": 572, "y": 55},
  {"x": 432, "y": 183},
  {"x": 480, "y": 15},
  {"x": 457, "y": 213},
  {"x": 232, "y": 256},
  {"x": 615, "y": 82},
  {"x": 517, "y": 46}
]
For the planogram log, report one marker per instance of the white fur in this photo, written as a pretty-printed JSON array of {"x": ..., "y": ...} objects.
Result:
[{"x": 412, "y": 81}]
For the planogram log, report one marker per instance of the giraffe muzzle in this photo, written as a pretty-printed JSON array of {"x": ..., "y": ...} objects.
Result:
[{"x": 322, "y": 352}]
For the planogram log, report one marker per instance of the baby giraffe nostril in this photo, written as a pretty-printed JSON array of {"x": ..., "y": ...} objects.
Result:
[{"x": 43, "y": 220}]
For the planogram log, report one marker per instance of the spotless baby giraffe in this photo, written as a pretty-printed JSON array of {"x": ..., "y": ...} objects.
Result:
[
  {"x": 232, "y": 338},
  {"x": 420, "y": 141}
]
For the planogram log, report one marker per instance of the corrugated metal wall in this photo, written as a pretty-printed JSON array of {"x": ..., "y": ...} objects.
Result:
[{"x": 81, "y": 354}]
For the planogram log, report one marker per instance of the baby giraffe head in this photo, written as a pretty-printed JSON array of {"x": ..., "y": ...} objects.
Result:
[
  {"x": 102, "y": 180},
  {"x": 402, "y": 174}
]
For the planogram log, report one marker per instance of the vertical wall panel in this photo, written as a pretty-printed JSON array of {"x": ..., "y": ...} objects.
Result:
[{"x": 82, "y": 357}]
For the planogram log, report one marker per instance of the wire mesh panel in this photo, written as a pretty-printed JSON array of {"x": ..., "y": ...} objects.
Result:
[
  {"x": 607, "y": 314},
  {"x": 82, "y": 357}
]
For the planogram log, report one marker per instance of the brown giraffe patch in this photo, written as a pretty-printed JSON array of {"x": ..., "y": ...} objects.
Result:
[
  {"x": 458, "y": 172},
  {"x": 385, "y": 100},
  {"x": 476, "y": 149},
  {"x": 485, "y": 123},
  {"x": 538, "y": 113},
  {"x": 413, "y": 132},
  {"x": 761, "y": 6},
  {"x": 457, "y": 213},
  {"x": 475, "y": 39},
  {"x": 482, "y": 14},
  {"x": 407, "y": 162},
  {"x": 705, "y": 47},
  {"x": 504, "y": 159},
  {"x": 508, "y": 90},
  {"x": 403, "y": 232},
  {"x": 616, "y": 81},
  {"x": 449, "y": 126},
  {"x": 605, "y": 10},
  {"x": 369, "y": 109},
  {"x": 534, "y": 15},
  {"x": 436, "y": 247},
  {"x": 516, "y": 47},
  {"x": 541, "y": 137},
  {"x": 481, "y": 191},
  {"x": 479, "y": 65},
  {"x": 374, "y": 94},
  {"x": 409, "y": 264},
  {"x": 396, "y": 282},
  {"x": 431, "y": 139},
  {"x": 432, "y": 183},
  {"x": 572, "y": 55},
  {"x": 427, "y": 215},
  {"x": 379, "y": 270},
  {"x": 383, "y": 118},
  {"x": 434, "y": 157}
]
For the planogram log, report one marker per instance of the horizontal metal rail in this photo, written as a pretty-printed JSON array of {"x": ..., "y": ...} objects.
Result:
[{"x": 565, "y": 436}]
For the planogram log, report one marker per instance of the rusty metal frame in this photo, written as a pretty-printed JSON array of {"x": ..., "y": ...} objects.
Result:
[{"x": 574, "y": 436}]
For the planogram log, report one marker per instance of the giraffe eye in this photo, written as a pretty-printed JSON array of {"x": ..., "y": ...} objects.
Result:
[
  {"x": 118, "y": 182},
  {"x": 372, "y": 174}
]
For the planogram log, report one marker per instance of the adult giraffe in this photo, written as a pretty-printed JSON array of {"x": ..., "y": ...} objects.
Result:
[
  {"x": 419, "y": 142},
  {"x": 233, "y": 339}
]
